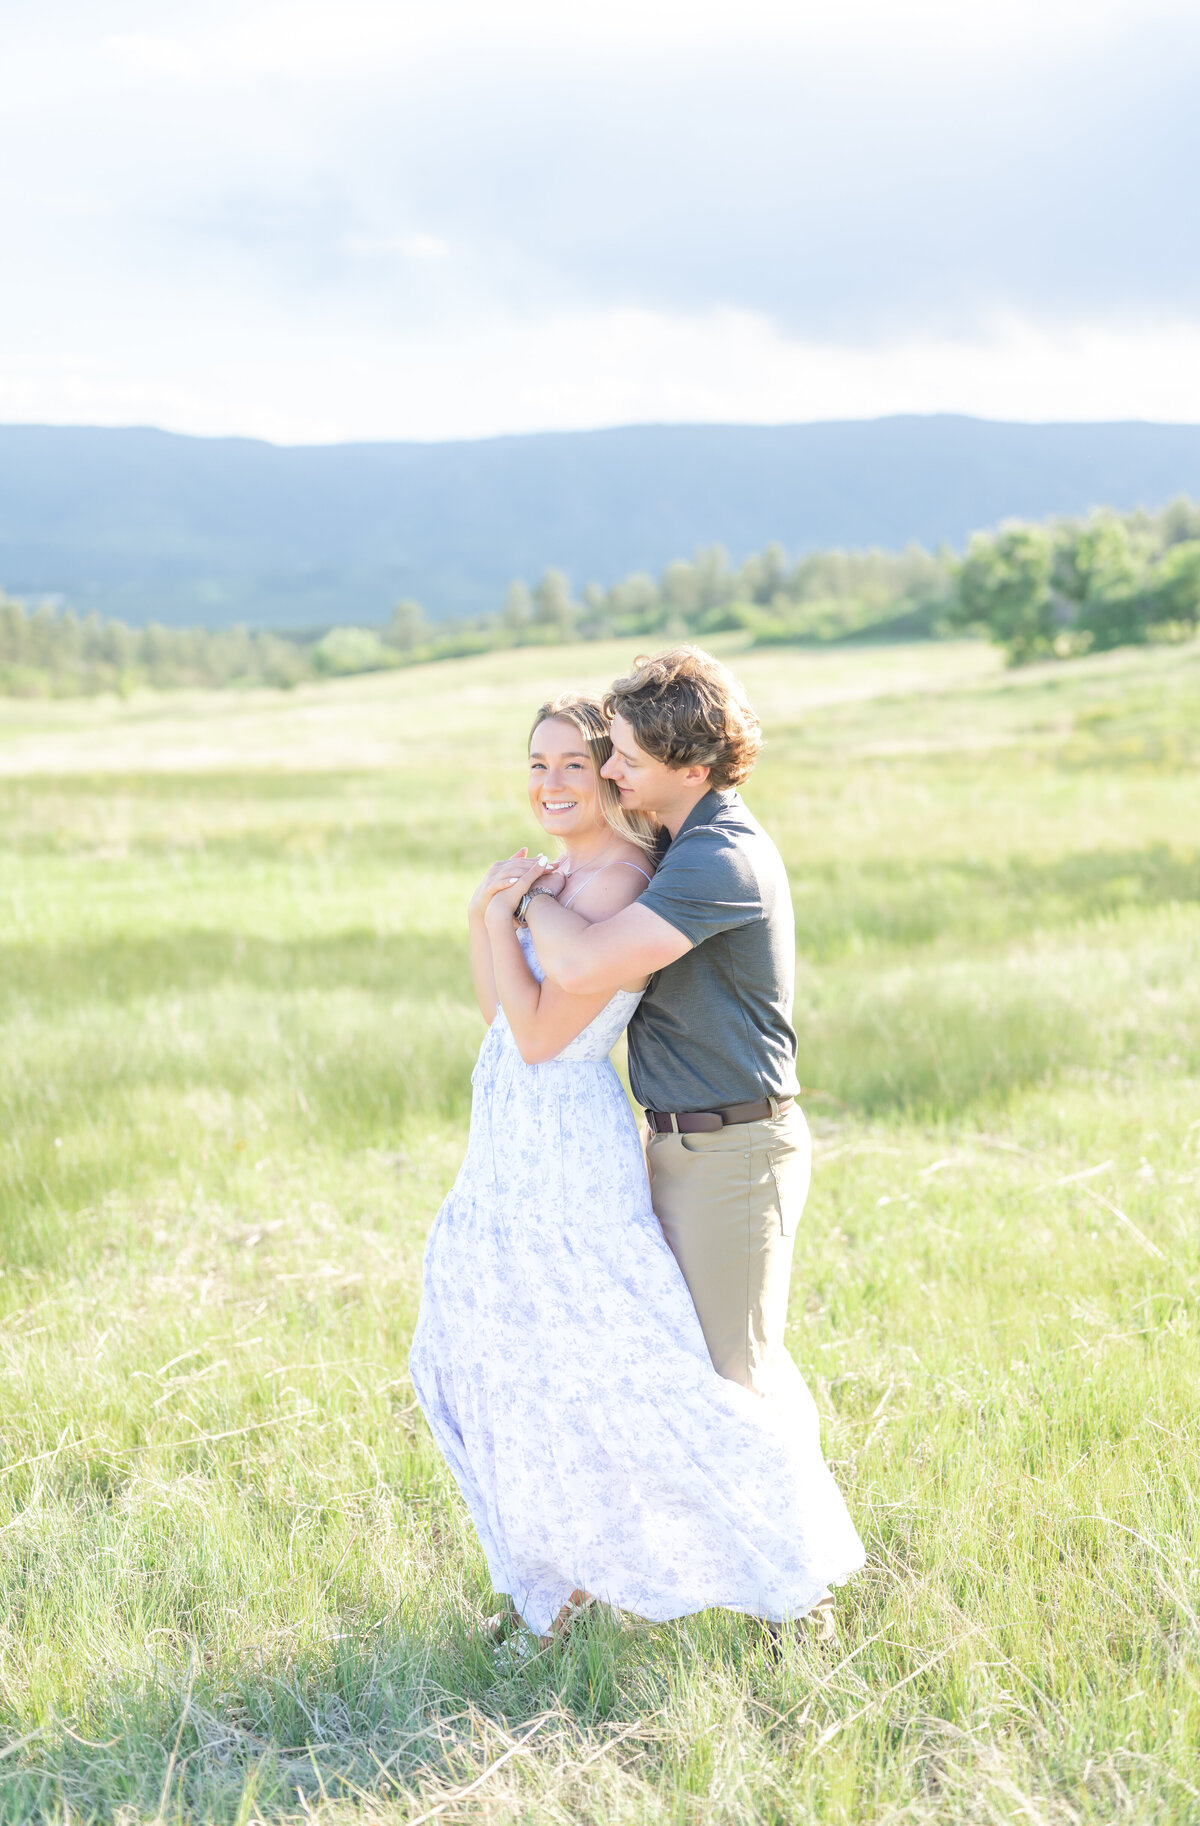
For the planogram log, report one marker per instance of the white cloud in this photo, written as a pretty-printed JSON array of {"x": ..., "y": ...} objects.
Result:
[
  {"x": 290, "y": 37},
  {"x": 617, "y": 368},
  {"x": 408, "y": 247},
  {"x": 391, "y": 218}
]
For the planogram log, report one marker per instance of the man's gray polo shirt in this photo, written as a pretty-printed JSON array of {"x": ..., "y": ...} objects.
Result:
[{"x": 715, "y": 1027}]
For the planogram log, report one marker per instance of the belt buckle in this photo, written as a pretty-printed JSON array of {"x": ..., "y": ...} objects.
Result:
[{"x": 685, "y": 1122}]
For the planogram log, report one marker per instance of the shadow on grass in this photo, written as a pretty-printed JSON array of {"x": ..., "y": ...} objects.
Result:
[
  {"x": 842, "y": 909},
  {"x": 839, "y": 911},
  {"x": 936, "y": 1049},
  {"x": 424, "y": 965}
]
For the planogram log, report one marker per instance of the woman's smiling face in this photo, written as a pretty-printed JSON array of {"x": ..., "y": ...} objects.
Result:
[{"x": 563, "y": 789}]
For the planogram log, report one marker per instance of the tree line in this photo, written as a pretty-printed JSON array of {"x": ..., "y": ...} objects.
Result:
[
  {"x": 1048, "y": 589},
  {"x": 51, "y": 652},
  {"x": 1066, "y": 587},
  {"x": 823, "y": 596}
]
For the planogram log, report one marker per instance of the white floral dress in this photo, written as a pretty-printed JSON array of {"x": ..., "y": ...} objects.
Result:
[{"x": 561, "y": 1366}]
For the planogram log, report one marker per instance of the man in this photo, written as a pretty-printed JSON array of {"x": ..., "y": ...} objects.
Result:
[{"x": 711, "y": 1048}]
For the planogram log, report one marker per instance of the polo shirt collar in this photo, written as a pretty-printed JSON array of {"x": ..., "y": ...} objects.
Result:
[{"x": 706, "y": 809}]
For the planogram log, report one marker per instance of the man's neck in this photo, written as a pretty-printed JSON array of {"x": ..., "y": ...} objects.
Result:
[{"x": 674, "y": 817}]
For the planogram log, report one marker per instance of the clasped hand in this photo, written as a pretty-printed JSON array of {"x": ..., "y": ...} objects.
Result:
[{"x": 505, "y": 882}]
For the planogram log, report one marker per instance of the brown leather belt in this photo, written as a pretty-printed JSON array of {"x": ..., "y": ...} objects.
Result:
[{"x": 697, "y": 1122}]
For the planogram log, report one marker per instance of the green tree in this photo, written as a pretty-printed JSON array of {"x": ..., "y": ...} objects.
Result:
[
  {"x": 635, "y": 603},
  {"x": 763, "y": 575},
  {"x": 408, "y": 627},
  {"x": 1102, "y": 569},
  {"x": 680, "y": 592},
  {"x": 44, "y": 637},
  {"x": 517, "y": 612},
  {"x": 552, "y": 605},
  {"x": 12, "y": 631},
  {"x": 229, "y": 657},
  {"x": 1004, "y": 586},
  {"x": 92, "y": 639},
  {"x": 348, "y": 650},
  {"x": 714, "y": 580},
  {"x": 596, "y": 623},
  {"x": 1180, "y": 521},
  {"x": 154, "y": 652},
  {"x": 278, "y": 662},
  {"x": 1174, "y": 585},
  {"x": 118, "y": 646}
]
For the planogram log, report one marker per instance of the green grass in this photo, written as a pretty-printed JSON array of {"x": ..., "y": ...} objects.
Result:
[{"x": 234, "y": 1086}]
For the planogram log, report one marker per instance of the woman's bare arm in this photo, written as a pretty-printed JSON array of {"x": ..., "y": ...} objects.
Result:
[
  {"x": 483, "y": 977},
  {"x": 544, "y": 1018}
]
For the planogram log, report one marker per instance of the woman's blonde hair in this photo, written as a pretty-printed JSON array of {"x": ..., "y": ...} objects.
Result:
[{"x": 586, "y": 715}]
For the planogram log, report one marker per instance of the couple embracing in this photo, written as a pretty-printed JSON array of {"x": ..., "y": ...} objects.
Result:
[{"x": 600, "y": 1349}]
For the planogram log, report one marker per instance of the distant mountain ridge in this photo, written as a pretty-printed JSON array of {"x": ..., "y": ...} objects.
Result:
[{"x": 150, "y": 525}]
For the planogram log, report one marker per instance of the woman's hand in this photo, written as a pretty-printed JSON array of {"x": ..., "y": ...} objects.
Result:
[
  {"x": 506, "y": 892},
  {"x": 500, "y": 875}
]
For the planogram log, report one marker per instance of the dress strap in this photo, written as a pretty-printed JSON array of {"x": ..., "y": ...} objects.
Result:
[{"x": 620, "y": 863}]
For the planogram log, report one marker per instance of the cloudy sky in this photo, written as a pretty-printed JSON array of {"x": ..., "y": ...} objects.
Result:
[{"x": 317, "y": 221}]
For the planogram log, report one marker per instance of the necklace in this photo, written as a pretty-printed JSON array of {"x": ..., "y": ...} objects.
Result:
[{"x": 594, "y": 866}]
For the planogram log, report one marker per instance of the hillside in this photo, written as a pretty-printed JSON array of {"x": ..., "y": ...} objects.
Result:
[{"x": 146, "y": 524}]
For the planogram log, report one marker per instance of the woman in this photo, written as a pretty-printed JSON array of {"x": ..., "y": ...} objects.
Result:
[{"x": 558, "y": 1356}]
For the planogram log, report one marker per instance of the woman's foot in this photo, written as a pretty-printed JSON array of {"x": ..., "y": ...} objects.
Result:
[
  {"x": 560, "y": 1629},
  {"x": 818, "y": 1623},
  {"x": 821, "y": 1619},
  {"x": 500, "y": 1625}
]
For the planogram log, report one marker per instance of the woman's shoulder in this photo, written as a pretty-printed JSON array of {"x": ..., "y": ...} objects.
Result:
[
  {"x": 615, "y": 886},
  {"x": 629, "y": 856}
]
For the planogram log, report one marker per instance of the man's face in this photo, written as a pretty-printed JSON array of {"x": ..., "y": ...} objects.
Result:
[{"x": 645, "y": 785}]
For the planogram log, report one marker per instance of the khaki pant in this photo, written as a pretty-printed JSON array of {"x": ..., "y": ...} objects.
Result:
[{"x": 729, "y": 1203}]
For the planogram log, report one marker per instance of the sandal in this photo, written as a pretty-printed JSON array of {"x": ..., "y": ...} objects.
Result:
[
  {"x": 822, "y": 1619},
  {"x": 500, "y": 1625},
  {"x": 819, "y": 1619},
  {"x": 560, "y": 1629}
]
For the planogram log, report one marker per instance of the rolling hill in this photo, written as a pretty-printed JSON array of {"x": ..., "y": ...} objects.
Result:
[{"x": 150, "y": 525}]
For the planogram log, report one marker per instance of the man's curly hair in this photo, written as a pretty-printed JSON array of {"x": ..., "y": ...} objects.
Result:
[{"x": 688, "y": 710}]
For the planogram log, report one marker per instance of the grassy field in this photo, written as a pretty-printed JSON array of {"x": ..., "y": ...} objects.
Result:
[{"x": 234, "y": 1086}]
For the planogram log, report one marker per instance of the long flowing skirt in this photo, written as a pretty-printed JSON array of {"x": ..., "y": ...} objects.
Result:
[{"x": 565, "y": 1378}]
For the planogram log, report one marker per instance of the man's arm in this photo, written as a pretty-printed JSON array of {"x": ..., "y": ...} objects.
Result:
[{"x": 597, "y": 960}]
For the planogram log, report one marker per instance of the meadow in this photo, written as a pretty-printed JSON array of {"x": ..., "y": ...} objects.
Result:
[{"x": 234, "y": 1085}]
